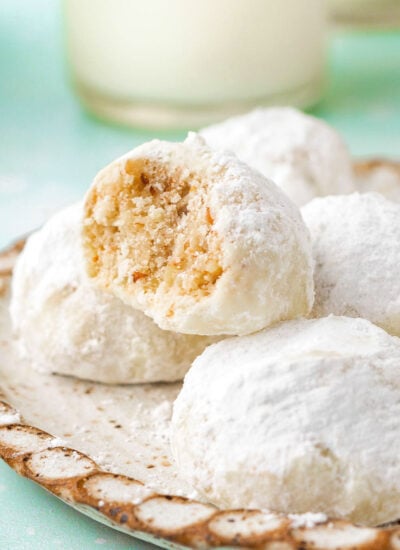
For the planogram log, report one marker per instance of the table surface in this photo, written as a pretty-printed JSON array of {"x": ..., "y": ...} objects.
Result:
[{"x": 50, "y": 150}]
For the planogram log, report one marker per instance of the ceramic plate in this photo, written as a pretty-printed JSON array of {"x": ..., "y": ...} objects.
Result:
[{"x": 104, "y": 450}]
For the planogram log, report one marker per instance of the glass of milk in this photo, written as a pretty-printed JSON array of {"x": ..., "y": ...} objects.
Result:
[{"x": 186, "y": 63}]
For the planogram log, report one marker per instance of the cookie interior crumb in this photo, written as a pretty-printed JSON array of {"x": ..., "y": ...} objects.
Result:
[{"x": 153, "y": 227}]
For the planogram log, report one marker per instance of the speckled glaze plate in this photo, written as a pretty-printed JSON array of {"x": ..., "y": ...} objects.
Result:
[{"x": 104, "y": 450}]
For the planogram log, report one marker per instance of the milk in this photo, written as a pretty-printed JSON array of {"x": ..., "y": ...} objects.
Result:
[{"x": 195, "y": 52}]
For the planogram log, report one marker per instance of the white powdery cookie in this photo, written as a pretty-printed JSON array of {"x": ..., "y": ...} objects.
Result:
[
  {"x": 304, "y": 156},
  {"x": 65, "y": 325},
  {"x": 380, "y": 176},
  {"x": 356, "y": 247},
  {"x": 300, "y": 418},
  {"x": 197, "y": 240}
]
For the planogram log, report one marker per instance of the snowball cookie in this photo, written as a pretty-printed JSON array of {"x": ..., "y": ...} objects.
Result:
[
  {"x": 381, "y": 176},
  {"x": 197, "y": 240},
  {"x": 300, "y": 418},
  {"x": 356, "y": 245},
  {"x": 300, "y": 153},
  {"x": 66, "y": 326}
]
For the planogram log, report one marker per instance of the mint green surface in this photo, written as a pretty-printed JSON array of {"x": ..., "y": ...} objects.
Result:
[
  {"x": 32, "y": 519},
  {"x": 50, "y": 150}
]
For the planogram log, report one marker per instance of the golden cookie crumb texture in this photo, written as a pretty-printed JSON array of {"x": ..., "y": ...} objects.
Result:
[{"x": 152, "y": 228}]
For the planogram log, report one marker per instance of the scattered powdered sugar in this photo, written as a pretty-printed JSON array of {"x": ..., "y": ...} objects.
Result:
[
  {"x": 308, "y": 520},
  {"x": 193, "y": 495},
  {"x": 106, "y": 460},
  {"x": 162, "y": 413},
  {"x": 160, "y": 420},
  {"x": 9, "y": 418},
  {"x": 76, "y": 456},
  {"x": 58, "y": 442}
]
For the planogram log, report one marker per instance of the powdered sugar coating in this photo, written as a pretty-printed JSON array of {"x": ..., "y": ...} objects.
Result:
[
  {"x": 65, "y": 325},
  {"x": 252, "y": 234},
  {"x": 299, "y": 418},
  {"x": 356, "y": 247},
  {"x": 304, "y": 156}
]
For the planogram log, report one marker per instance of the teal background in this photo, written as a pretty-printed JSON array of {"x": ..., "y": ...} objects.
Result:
[
  {"x": 32, "y": 519},
  {"x": 50, "y": 150}
]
